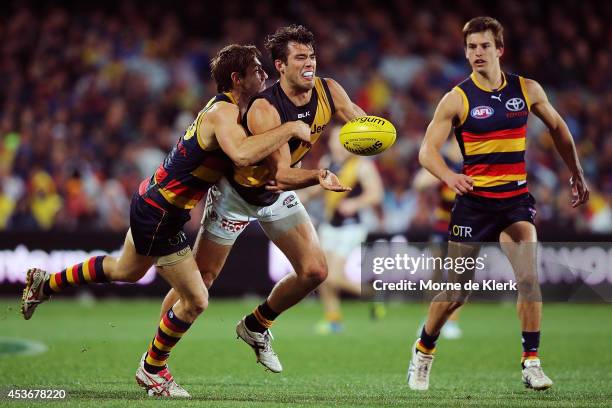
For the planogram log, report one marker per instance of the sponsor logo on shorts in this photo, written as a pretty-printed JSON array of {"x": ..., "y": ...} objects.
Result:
[
  {"x": 233, "y": 226},
  {"x": 482, "y": 112},
  {"x": 461, "y": 231},
  {"x": 289, "y": 199}
]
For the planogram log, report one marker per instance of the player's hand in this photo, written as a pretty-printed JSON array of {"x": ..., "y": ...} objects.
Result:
[
  {"x": 300, "y": 130},
  {"x": 459, "y": 183},
  {"x": 348, "y": 207},
  {"x": 580, "y": 191},
  {"x": 329, "y": 181}
]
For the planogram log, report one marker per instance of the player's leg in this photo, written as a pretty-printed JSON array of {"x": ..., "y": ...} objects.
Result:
[
  {"x": 40, "y": 285},
  {"x": 210, "y": 255},
  {"x": 329, "y": 294},
  {"x": 181, "y": 272},
  {"x": 519, "y": 243},
  {"x": 287, "y": 224}
]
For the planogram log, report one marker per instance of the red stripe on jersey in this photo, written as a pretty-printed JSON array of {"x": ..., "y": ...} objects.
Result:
[
  {"x": 178, "y": 188},
  {"x": 497, "y": 134},
  {"x": 494, "y": 169},
  {"x": 160, "y": 174},
  {"x": 505, "y": 194}
]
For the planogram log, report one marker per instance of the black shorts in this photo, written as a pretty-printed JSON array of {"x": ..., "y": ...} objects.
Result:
[
  {"x": 475, "y": 220},
  {"x": 157, "y": 231}
]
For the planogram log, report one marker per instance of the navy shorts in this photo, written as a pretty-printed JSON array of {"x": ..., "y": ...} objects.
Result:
[
  {"x": 481, "y": 220},
  {"x": 157, "y": 231}
]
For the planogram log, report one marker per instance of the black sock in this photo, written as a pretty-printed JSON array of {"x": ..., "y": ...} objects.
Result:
[
  {"x": 428, "y": 341},
  {"x": 531, "y": 341},
  {"x": 261, "y": 319}
]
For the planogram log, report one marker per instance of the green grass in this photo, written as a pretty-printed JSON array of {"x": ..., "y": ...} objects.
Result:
[{"x": 94, "y": 351}]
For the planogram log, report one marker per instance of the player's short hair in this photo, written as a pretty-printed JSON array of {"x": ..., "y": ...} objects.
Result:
[
  {"x": 277, "y": 44},
  {"x": 232, "y": 58},
  {"x": 482, "y": 24}
]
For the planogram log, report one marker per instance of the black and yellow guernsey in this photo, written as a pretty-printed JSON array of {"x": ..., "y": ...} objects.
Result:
[
  {"x": 348, "y": 175},
  {"x": 192, "y": 166},
  {"x": 250, "y": 181}
]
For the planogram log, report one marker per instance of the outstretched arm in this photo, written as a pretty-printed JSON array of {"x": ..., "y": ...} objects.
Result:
[
  {"x": 450, "y": 108},
  {"x": 244, "y": 151},
  {"x": 564, "y": 143}
]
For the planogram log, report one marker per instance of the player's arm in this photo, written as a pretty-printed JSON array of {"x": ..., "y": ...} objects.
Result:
[
  {"x": 372, "y": 193},
  {"x": 261, "y": 117},
  {"x": 245, "y": 151},
  {"x": 346, "y": 110},
  {"x": 450, "y": 108},
  {"x": 564, "y": 143}
]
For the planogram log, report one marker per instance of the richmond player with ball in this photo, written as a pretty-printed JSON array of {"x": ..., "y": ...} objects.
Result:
[{"x": 263, "y": 191}]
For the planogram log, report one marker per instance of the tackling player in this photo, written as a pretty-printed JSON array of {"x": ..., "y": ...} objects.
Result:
[
  {"x": 488, "y": 112},
  {"x": 159, "y": 210}
]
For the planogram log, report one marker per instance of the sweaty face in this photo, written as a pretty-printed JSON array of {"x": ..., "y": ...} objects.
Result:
[
  {"x": 480, "y": 51},
  {"x": 255, "y": 79},
  {"x": 301, "y": 66}
]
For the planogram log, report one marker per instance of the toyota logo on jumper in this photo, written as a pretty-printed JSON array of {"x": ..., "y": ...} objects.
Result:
[{"x": 515, "y": 104}]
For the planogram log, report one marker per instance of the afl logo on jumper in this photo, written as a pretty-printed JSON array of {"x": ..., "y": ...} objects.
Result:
[
  {"x": 482, "y": 112},
  {"x": 515, "y": 104}
]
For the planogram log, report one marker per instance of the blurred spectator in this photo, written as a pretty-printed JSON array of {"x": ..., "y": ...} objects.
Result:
[{"x": 91, "y": 98}]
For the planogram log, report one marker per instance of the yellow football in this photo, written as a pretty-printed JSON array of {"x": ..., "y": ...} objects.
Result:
[{"x": 367, "y": 135}]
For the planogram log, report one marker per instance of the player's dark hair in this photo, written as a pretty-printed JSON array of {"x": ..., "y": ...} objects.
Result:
[
  {"x": 482, "y": 24},
  {"x": 277, "y": 44},
  {"x": 232, "y": 58}
]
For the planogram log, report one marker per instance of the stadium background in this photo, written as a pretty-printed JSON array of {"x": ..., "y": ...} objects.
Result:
[{"x": 92, "y": 96}]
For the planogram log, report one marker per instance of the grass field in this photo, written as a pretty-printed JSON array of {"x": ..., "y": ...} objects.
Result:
[{"x": 93, "y": 351}]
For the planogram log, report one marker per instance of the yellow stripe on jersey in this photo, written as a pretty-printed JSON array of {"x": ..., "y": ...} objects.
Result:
[
  {"x": 348, "y": 176},
  {"x": 524, "y": 90},
  {"x": 495, "y": 146},
  {"x": 178, "y": 201},
  {"x": 207, "y": 174},
  {"x": 466, "y": 105},
  {"x": 492, "y": 181}
]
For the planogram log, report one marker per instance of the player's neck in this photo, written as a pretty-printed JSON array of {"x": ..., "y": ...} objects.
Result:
[
  {"x": 490, "y": 80},
  {"x": 297, "y": 96},
  {"x": 241, "y": 99}
]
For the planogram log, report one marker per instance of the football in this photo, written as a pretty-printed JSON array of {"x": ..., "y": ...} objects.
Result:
[{"x": 367, "y": 135}]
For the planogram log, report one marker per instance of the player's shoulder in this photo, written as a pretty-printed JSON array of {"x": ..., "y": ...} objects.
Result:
[{"x": 221, "y": 110}]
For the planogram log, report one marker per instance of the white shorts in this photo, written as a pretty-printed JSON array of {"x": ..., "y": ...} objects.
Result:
[
  {"x": 342, "y": 240},
  {"x": 227, "y": 214}
]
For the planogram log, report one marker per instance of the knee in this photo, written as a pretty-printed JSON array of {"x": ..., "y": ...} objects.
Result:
[
  {"x": 316, "y": 273},
  {"x": 197, "y": 305}
]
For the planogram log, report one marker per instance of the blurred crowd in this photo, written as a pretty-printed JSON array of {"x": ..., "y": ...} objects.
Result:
[{"x": 92, "y": 96}]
